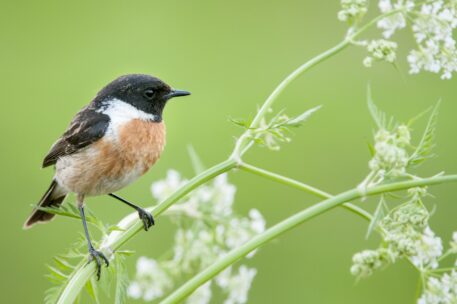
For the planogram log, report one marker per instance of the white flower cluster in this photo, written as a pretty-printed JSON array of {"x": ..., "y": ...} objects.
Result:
[
  {"x": 428, "y": 249},
  {"x": 380, "y": 50},
  {"x": 433, "y": 29},
  {"x": 432, "y": 23},
  {"x": 440, "y": 290},
  {"x": 391, "y": 157},
  {"x": 454, "y": 244},
  {"x": 238, "y": 284},
  {"x": 212, "y": 231},
  {"x": 202, "y": 295},
  {"x": 151, "y": 281},
  {"x": 368, "y": 261},
  {"x": 352, "y": 10},
  {"x": 406, "y": 234},
  {"x": 397, "y": 21}
]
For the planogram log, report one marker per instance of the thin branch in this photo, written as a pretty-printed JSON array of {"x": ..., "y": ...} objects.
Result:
[
  {"x": 84, "y": 271},
  {"x": 302, "y": 186},
  {"x": 290, "y": 223},
  {"x": 246, "y": 137}
]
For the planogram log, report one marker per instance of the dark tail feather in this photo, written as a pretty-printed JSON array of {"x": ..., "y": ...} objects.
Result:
[{"x": 53, "y": 197}]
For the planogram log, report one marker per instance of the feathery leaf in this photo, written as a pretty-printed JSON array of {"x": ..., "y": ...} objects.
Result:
[
  {"x": 196, "y": 161},
  {"x": 300, "y": 119},
  {"x": 377, "y": 216},
  {"x": 427, "y": 142},
  {"x": 92, "y": 290},
  {"x": 378, "y": 116},
  {"x": 122, "y": 279}
]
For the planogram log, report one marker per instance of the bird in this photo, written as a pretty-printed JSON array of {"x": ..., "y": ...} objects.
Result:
[{"x": 109, "y": 144}]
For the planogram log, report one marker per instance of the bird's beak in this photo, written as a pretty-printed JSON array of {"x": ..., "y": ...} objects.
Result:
[{"x": 176, "y": 93}]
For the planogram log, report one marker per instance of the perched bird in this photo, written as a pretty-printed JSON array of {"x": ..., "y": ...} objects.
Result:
[{"x": 109, "y": 144}]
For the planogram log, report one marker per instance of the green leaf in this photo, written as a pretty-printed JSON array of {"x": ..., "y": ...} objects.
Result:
[
  {"x": 418, "y": 116},
  {"x": 298, "y": 120},
  {"x": 55, "y": 274},
  {"x": 371, "y": 149},
  {"x": 60, "y": 273},
  {"x": 259, "y": 141},
  {"x": 278, "y": 129},
  {"x": 52, "y": 294},
  {"x": 70, "y": 210},
  {"x": 59, "y": 211},
  {"x": 112, "y": 228},
  {"x": 62, "y": 263},
  {"x": 377, "y": 216},
  {"x": 378, "y": 116},
  {"x": 107, "y": 278},
  {"x": 240, "y": 122},
  {"x": 197, "y": 163},
  {"x": 427, "y": 142},
  {"x": 92, "y": 289},
  {"x": 125, "y": 252},
  {"x": 93, "y": 219},
  {"x": 73, "y": 212},
  {"x": 277, "y": 120},
  {"x": 122, "y": 279}
]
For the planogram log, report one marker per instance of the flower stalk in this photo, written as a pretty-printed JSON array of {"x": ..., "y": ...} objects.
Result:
[
  {"x": 84, "y": 271},
  {"x": 292, "y": 222},
  {"x": 302, "y": 186}
]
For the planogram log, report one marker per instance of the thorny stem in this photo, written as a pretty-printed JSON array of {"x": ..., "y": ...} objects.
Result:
[
  {"x": 84, "y": 271},
  {"x": 290, "y": 223}
]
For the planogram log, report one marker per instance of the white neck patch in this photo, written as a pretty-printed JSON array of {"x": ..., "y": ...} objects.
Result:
[{"x": 121, "y": 112}]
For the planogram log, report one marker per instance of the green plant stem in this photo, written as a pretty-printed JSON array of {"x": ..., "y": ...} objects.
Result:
[
  {"x": 302, "y": 186},
  {"x": 246, "y": 137},
  {"x": 82, "y": 274},
  {"x": 306, "y": 188},
  {"x": 84, "y": 271},
  {"x": 284, "y": 180},
  {"x": 290, "y": 223}
]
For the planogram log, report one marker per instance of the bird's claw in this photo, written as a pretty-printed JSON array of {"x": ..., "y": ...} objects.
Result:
[
  {"x": 146, "y": 217},
  {"x": 96, "y": 255}
]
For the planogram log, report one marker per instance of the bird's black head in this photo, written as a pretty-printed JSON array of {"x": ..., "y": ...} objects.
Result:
[{"x": 146, "y": 93}]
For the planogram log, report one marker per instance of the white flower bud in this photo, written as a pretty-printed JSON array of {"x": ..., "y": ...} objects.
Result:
[
  {"x": 440, "y": 290},
  {"x": 368, "y": 261},
  {"x": 352, "y": 10}
]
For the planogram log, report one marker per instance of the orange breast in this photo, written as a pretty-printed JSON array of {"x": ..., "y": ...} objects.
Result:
[
  {"x": 112, "y": 163},
  {"x": 141, "y": 142},
  {"x": 138, "y": 146}
]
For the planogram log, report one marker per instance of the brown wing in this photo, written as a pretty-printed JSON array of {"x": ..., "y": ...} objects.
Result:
[{"x": 87, "y": 127}]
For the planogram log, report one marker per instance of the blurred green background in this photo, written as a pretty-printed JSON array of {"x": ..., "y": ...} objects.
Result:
[{"x": 55, "y": 55}]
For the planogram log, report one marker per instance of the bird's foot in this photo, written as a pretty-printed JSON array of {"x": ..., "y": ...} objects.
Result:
[
  {"x": 98, "y": 256},
  {"x": 146, "y": 217}
]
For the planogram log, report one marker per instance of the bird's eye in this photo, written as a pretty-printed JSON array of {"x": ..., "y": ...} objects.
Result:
[{"x": 149, "y": 93}]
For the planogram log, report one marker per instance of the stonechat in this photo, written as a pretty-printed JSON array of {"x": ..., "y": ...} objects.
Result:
[{"x": 109, "y": 144}]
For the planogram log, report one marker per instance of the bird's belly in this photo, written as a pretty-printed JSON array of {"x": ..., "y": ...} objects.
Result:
[{"x": 114, "y": 161}]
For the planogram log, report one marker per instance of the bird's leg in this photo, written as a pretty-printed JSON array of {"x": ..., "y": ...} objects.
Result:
[
  {"x": 94, "y": 254},
  {"x": 145, "y": 216}
]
